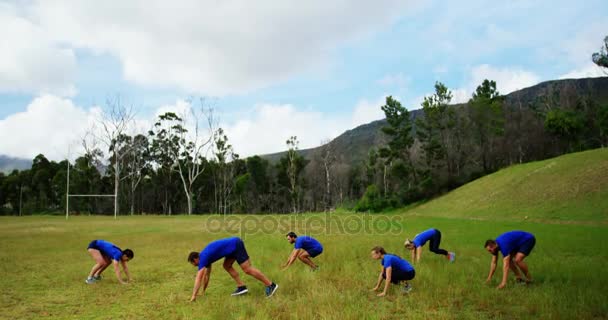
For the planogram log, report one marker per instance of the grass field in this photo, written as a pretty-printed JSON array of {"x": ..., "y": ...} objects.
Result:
[
  {"x": 44, "y": 264},
  {"x": 44, "y": 260}
]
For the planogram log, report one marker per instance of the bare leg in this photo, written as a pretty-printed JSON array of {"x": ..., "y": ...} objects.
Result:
[
  {"x": 99, "y": 261},
  {"x": 519, "y": 260},
  {"x": 513, "y": 268},
  {"x": 250, "y": 270},
  {"x": 105, "y": 266},
  {"x": 233, "y": 273},
  {"x": 305, "y": 257}
]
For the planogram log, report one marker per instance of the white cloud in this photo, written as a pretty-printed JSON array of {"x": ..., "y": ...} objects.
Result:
[
  {"x": 212, "y": 47},
  {"x": 29, "y": 61},
  {"x": 271, "y": 125},
  {"x": 588, "y": 71},
  {"x": 507, "y": 79},
  {"x": 48, "y": 126},
  {"x": 460, "y": 96},
  {"x": 367, "y": 111},
  {"x": 267, "y": 128}
]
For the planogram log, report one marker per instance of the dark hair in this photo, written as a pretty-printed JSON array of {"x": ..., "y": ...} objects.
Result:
[
  {"x": 128, "y": 253},
  {"x": 379, "y": 249},
  {"x": 292, "y": 234},
  {"x": 489, "y": 242},
  {"x": 193, "y": 255}
]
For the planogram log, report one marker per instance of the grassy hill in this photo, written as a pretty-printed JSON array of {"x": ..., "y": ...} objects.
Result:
[{"x": 573, "y": 187}]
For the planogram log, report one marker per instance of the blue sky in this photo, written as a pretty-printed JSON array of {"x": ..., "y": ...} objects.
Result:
[{"x": 271, "y": 69}]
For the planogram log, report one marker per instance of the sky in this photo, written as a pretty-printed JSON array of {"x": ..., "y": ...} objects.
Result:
[{"x": 270, "y": 69}]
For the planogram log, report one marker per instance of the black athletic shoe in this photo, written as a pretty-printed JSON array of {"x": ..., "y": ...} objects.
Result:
[
  {"x": 239, "y": 291},
  {"x": 271, "y": 289}
]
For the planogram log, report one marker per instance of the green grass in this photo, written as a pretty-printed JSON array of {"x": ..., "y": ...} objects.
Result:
[
  {"x": 44, "y": 264},
  {"x": 573, "y": 187}
]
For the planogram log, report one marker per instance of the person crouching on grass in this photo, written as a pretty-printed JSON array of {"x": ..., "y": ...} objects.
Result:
[
  {"x": 304, "y": 248},
  {"x": 102, "y": 252},
  {"x": 231, "y": 249},
  {"x": 433, "y": 236},
  {"x": 394, "y": 269},
  {"x": 515, "y": 246}
]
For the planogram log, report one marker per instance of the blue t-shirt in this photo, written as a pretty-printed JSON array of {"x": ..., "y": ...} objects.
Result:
[
  {"x": 109, "y": 249},
  {"x": 511, "y": 241},
  {"x": 309, "y": 244},
  {"x": 421, "y": 238},
  {"x": 396, "y": 263},
  {"x": 216, "y": 250}
]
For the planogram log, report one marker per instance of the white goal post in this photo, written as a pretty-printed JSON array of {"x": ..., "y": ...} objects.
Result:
[{"x": 68, "y": 195}]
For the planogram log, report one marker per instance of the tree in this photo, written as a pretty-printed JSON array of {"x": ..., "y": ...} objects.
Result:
[
  {"x": 601, "y": 58},
  {"x": 399, "y": 131},
  {"x": 292, "y": 170},
  {"x": 110, "y": 129},
  {"x": 564, "y": 124},
  {"x": 259, "y": 182},
  {"x": 603, "y": 124},
  {"x": 328, "y": 158},
  {"x": 178, "y": 150},
  {"x": 136, "y": 164},
  {"x": 225, "y": 155},
  {"x": 487, "y": 119},
  {"x": 435, "y": 130}
]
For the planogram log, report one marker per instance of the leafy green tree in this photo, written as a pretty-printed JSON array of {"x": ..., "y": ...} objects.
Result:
[
  {"x": 436, "y": 132},
  {"x": 372, "y": 200},
  {"x": 290, "y": 168},
  {"x": 399, "y": 131},
  {"x": 564, "y": 124},
  {"x": 485, "y": 110},
  {"x": 601, "y": 58},
  {"x": 259, "y": 183},
  {"x": 225, "y": 172},
  {"x": 164, "y": 150},
  {"x": 602, "y": 122},
  {"x": 42, "y": 174}
]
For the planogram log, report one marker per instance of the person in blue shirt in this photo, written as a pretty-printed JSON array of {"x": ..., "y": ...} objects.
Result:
[
  {"x": 104, "y": 253},
  {"x": 231, "y": 249},
  {"x": 433, "y": 236},
  {"x": 515, "y": 246},
  {"x": 394, "y": 269},
  {"x": 304, "y": 248}
]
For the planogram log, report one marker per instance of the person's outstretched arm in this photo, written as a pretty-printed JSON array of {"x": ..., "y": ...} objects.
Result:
[
  {"x": 117, "y": 271},
  {"x": 492, "y": 268},
  {"x": 379, "y": 280},
  {"x": 389, "y": 273},
  {"x": 126, "y": 269},
  {"x": 418, "y": 253},
  {"x": 202, "y": 278},
  {"x": 291, "y": 259},
  {"x": 414, "y": 254},
  {"x": 506, "y": 264}
]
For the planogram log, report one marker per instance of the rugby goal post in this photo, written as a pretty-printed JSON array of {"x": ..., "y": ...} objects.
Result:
[{"x": 68, "y": 196}]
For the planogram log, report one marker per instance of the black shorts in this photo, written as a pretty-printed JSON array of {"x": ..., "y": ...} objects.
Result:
[
  {"x": 93, "y": 245},
  {"x": 314, "y": 252},
  {"x": 240, "y": 253},
  {"x": 398, "y": 276},
  {"x": 527, "y": 246}
]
